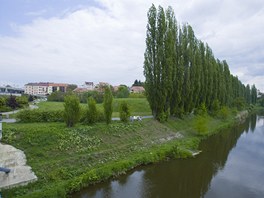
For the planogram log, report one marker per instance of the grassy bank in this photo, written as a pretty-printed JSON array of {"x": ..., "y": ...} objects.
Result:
[{"x": 65, "y": 160}]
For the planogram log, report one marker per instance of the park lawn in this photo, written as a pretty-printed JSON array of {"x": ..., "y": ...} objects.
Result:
[{"x": 138, "y": 106}]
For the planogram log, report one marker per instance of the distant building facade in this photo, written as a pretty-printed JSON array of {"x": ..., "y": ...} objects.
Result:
[
  {"x": 88, "y": 85},
  {"x": 137, "y": 89},
  {"x": 8, "y": 90},
  {"x": 44, "y": 88}
]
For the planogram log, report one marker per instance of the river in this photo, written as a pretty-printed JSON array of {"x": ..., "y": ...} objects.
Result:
[{"x": 231, "y": 165}]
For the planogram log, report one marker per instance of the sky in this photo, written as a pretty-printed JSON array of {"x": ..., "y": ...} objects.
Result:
[{"x": 73, "y": 41}]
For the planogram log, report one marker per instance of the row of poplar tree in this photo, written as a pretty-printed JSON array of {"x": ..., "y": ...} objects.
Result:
[{"x": 181, "y": 71}]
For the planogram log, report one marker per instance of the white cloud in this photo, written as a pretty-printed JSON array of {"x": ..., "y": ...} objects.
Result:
[{"x": 108, "y": 43}]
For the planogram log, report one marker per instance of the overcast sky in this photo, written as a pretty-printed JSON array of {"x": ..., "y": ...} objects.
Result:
[{"x": 70, "y": 41}]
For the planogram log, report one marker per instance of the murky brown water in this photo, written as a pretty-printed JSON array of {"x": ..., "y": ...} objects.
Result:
[{"x": 231, "y": 165}]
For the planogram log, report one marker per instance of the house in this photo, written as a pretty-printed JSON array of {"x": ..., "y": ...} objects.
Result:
[
  {"x": 81, "y": 90},
  {"x": 44, "y": 88},
  {"x": 88, "y": 85},
  {"x": 137, "y": 89},
  {"x": 8, "y": 90}
]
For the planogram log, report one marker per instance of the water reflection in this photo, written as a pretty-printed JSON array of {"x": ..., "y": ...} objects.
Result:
[{"x": 231, "y": 165}]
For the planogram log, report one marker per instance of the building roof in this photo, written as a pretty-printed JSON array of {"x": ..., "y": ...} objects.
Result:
[
  {"x": 137, "y": 89},
  {"x": 47, "y": 84},
  {"x": 81, "y": 90}
]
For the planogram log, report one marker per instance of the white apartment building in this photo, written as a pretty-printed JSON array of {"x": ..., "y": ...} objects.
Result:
[{"x": 44, "y": 88}]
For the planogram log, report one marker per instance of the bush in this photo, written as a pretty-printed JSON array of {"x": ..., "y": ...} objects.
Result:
[
  {"x": 201, "y": 110},
  {"x": 57, "y": 96},
  {"x": 223, "y": 113},
  {"x": 72, "y": 110},
  {"x": 215, "y": 107},
  {"x": 239, "y": 103},
  {"x": 124, "y": 112},
  {"x": 22, "y": 101},
  {"x": 200, "y": 124},
  {"x": 39, "y": 116},
  {"x": 91, "y": 116},
  {"x": 122, "y": 92},
  {"x": 108, "y": 105},
  {"x": 98, "y": 96}
]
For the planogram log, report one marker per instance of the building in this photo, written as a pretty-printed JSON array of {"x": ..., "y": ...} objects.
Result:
[
  {"x": 44, "y": 88},
  {"x": 8, "y": 90},
  {"x": 80, "y": 90},
  {"x": 137, "y": 89},
  {"x": 88, "y": 85}
]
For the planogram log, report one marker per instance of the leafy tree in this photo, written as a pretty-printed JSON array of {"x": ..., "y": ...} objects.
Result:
[
  {"x": 108, "y": 105},
  {"x": 122, "y": 92},
  {"x": 22, "y": 101},
  {"x": 57, "y": 96},
  {"x": 72, "y": 110},
  {"x": 11, "y": 102},
  {"x": 71, "y": 87},
  {"x": 124, "y": 112},
  {"x": 91, "y": 111},
  {"x": 30, "y": 98}
]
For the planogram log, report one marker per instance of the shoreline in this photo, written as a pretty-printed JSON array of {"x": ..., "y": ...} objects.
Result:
[{"x": 170, "y": 148}]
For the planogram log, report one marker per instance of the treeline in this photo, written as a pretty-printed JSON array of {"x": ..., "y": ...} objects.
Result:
[{"x": 182, "y": 73}]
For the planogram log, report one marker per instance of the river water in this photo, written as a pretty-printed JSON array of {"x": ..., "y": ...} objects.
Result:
[{"x": 231, "y": 165}]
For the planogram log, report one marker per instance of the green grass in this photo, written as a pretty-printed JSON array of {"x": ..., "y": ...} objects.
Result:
[
  {"x": 138, "y": 106},
  {"x": 67, "y": 159}
]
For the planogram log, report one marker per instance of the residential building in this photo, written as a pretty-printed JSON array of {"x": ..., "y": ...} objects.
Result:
[
  {"x": 44, "y": 88},
  {"x": 88, "y": 85},
  {"x": 8, "y": 90},
  {"x": 137, "y": 89}
]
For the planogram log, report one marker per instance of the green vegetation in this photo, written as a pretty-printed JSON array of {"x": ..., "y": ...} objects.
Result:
[
  {"x": 91, "y": 117},
  {"x": 182, "y": 73},
  {"x": 67, "y": 159},
  {"x": 9, "y": 103},
  {"x": 72, "y": 110},
  {"x": 108, "y": 105},
  {"x": 137, "y": 106},
  {"x": 124, "y": 112}
]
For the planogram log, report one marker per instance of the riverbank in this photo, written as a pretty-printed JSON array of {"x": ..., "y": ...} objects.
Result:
[{"x": 66, "y": 160}]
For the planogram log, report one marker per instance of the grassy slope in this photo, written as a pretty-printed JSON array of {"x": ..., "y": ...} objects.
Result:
[
  {"x": 63, "y": 158},
  {"x": 138, "y": 106}
]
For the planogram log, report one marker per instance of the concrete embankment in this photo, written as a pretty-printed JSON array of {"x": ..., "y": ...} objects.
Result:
[{"x": 15, "y": 160}]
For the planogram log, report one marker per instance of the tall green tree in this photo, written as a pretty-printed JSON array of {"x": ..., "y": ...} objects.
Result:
[
  {"x": 91, "y": 117},
  {"x": 108, "y": 105},
  {"x": 72, "y": 110}
]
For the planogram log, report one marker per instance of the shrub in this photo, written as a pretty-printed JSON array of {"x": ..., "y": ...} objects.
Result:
[
  {"x": 108, "y": 105},
  {"x": 200, "y": 124},
  {"x": 22, "y": 101},
  {"x": 72, "y": 110},
  {"x": 39, "y": 116},
  {"x": 122, "y": 92},
  {"x": 215, "y": 107},
  {"x": 239, "y": 103},
  {"x": 91, "y": 116},
  {"x": 57, "y": 96},
  {"x": 124, "y": 112},
  {"x": 223, "y": 113},
  {"x": 201, "y": 110}
]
